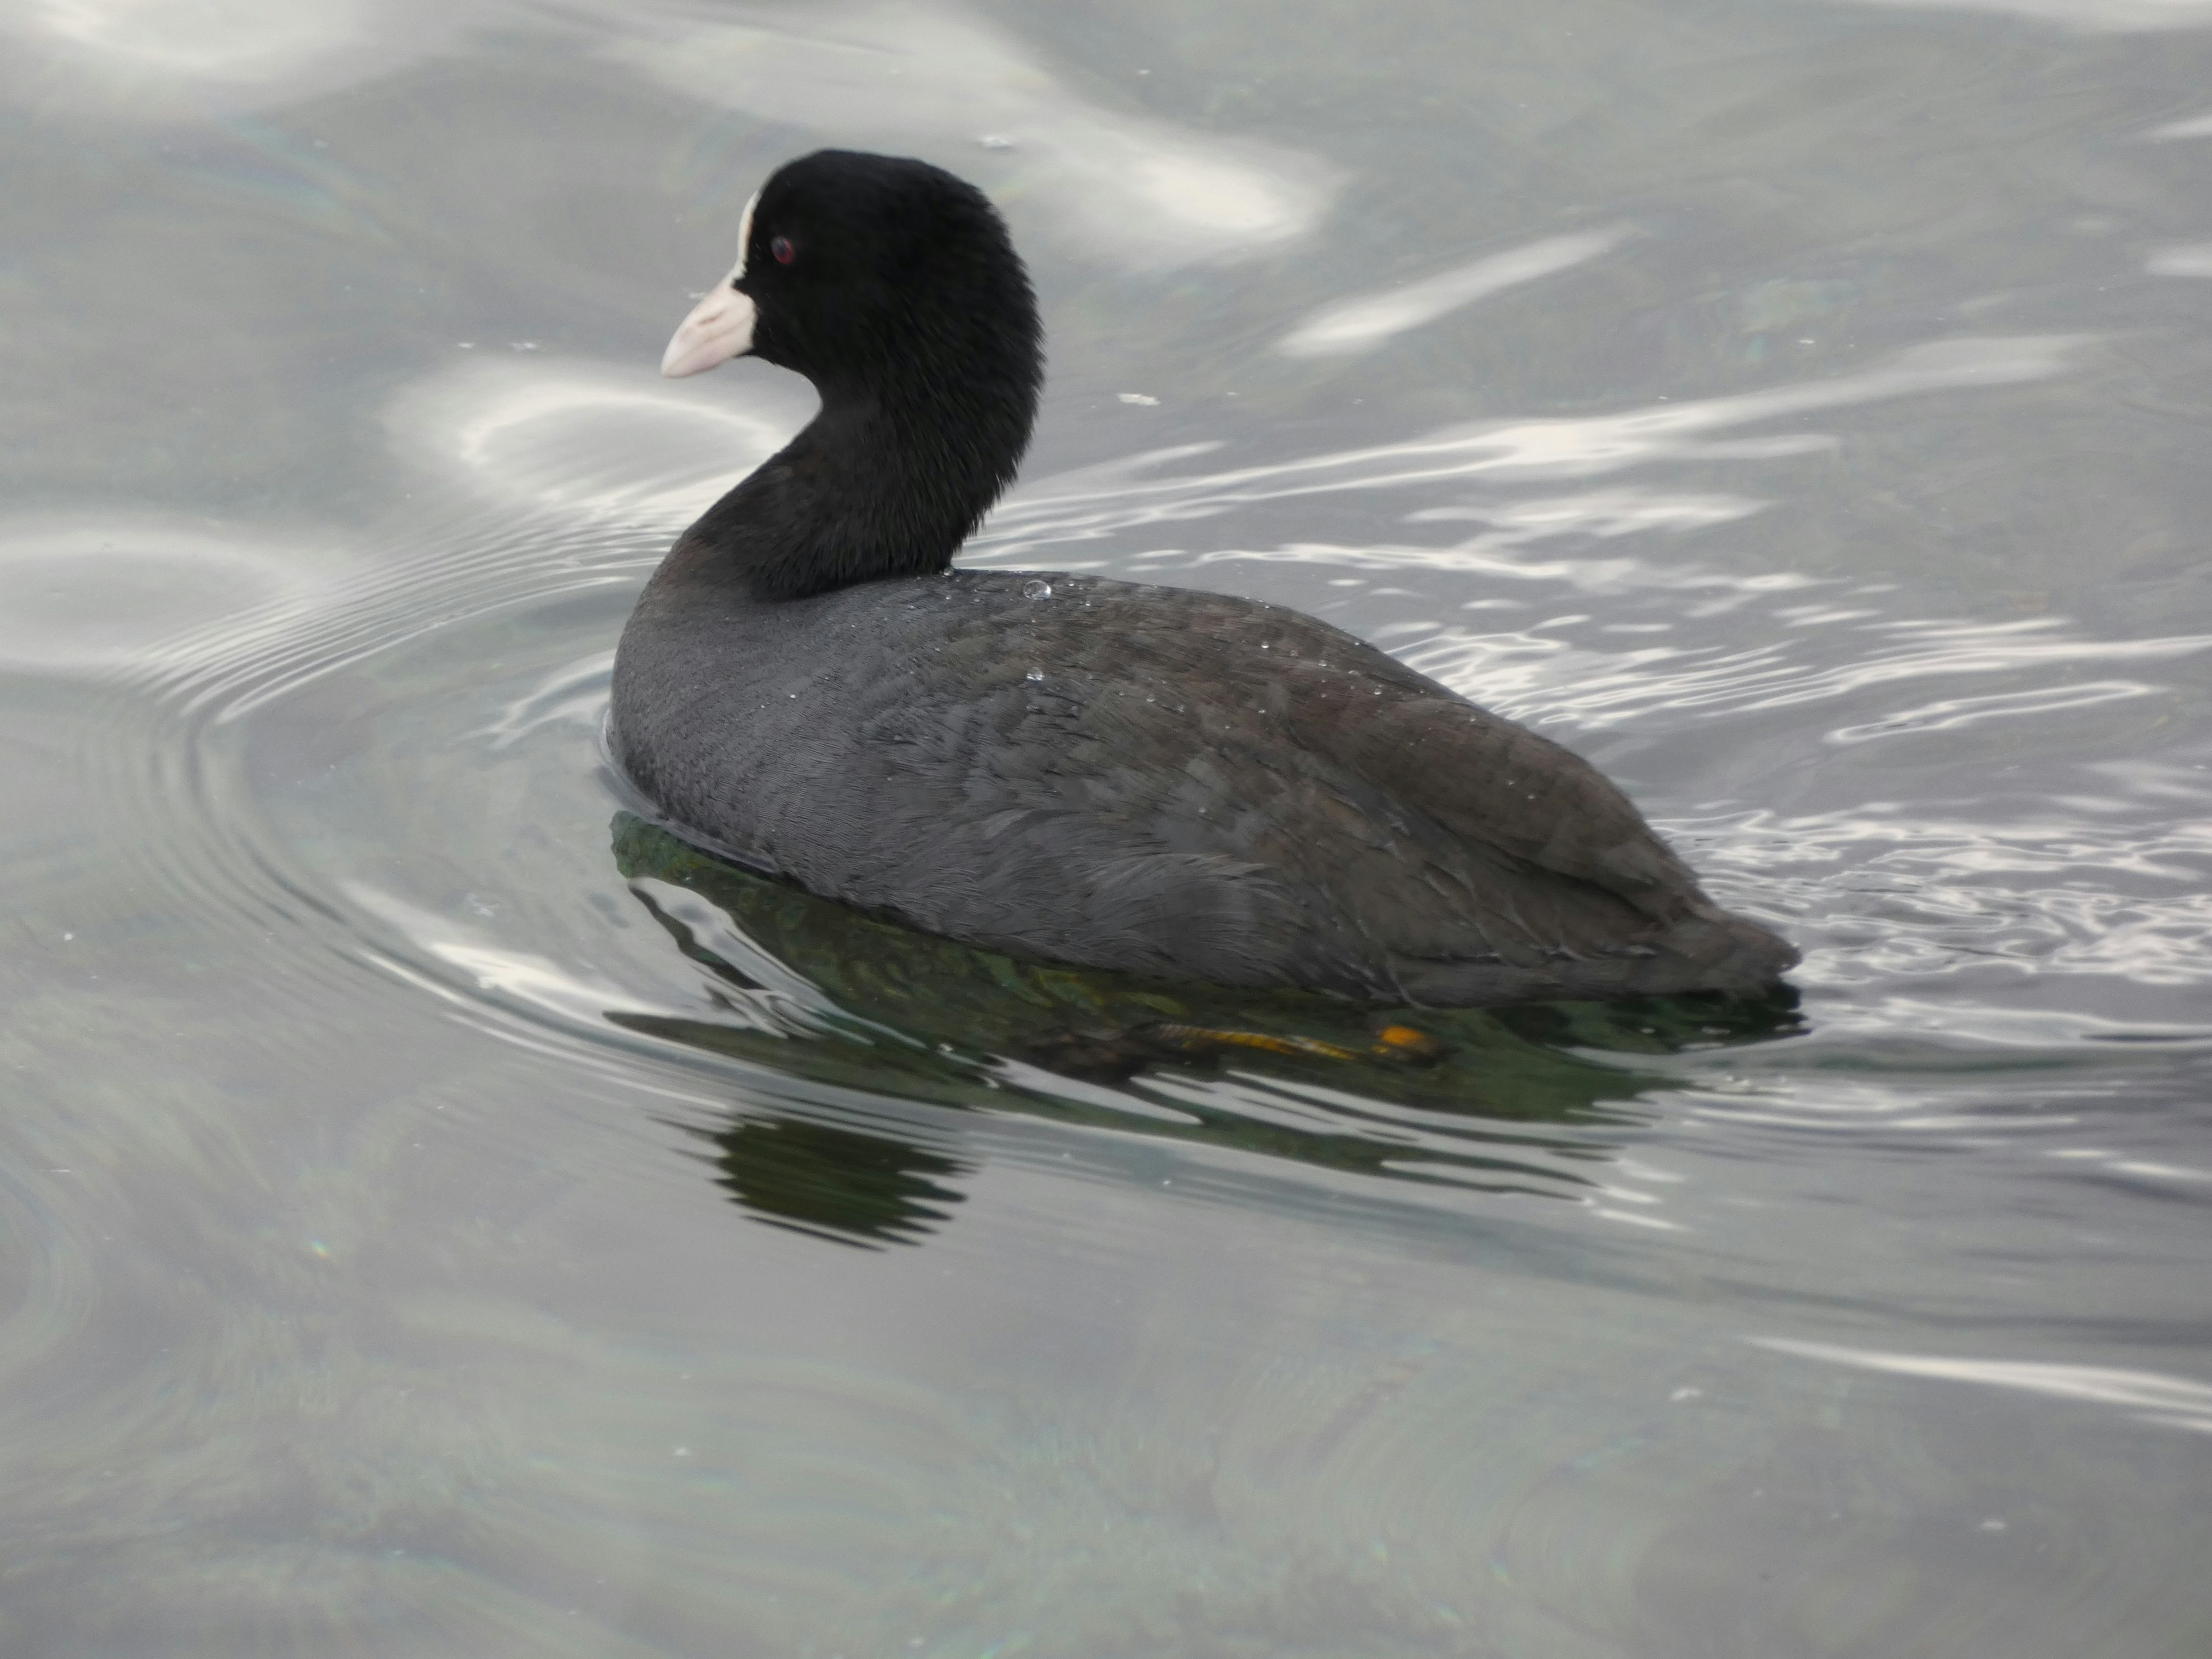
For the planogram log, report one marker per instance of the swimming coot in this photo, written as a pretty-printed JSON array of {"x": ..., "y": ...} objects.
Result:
[{"x": 1171, "y": 783}]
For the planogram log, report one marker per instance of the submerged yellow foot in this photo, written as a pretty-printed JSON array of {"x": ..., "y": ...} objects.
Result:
[{"x": 1392, "y": 1042}]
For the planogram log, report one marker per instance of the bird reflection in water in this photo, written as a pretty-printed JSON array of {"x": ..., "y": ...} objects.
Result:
[
  {"x": 833, "y": 1184},
  {"x": 1512, "y": 1099}
]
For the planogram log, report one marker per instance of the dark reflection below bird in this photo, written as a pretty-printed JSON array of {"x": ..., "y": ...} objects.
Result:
[
  {"x": 923, "y": 1018},
  {"x": 840, "y": 1184},
  {"x": 1182, "y": 784}
]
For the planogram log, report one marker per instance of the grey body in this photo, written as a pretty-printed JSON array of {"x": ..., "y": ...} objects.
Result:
[
  {"x": 1162, "y": 781},
  {"x": 1177, "y": 784}
]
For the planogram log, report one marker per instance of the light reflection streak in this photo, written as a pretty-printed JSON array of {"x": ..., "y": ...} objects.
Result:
[
  {"x": 2141, "y": 1169},
  {"x": 237, "y": 41},
  {"x": 2082, "y": 16},
  {"x": 1879, "y": 899},
  {"x": 1128, "y": 188},
  {"x": 570, "y": 997},
  {"x": 1953, "y": 714},
  {"x": 1105, "y": 501},
  {"x": 112, "y": 594},
  {"x": 576, "y": 437},
  {"x": 1522, "y": 672},
  {"x": 1367, "y": 320},
  {"x": 2154, "y": 1396},
  {"x": 2196, "y": 126},
  {"x": 576, "y": 694},
  {"x": 2191, "y": 260},
  {"x": 1874, "y": 898}
]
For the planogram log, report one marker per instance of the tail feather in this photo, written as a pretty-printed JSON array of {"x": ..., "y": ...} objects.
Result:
[{"x": 1707, "y": 950}]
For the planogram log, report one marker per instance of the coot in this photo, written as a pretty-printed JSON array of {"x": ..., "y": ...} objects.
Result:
[{"x": 1170, "y": 783}]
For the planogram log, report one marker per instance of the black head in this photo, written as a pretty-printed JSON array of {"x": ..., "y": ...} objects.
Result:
[
  {"x": 894, "y": 288},
  {"x": 856, "y": 270}
]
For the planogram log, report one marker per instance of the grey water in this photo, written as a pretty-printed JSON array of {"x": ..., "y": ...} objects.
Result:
[{"x": 440, "y": 1216}]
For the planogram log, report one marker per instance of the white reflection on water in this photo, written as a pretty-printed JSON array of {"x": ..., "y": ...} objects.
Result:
[
  {"x": 1367, "y": 319},
  {"x": 1877, "y": 893},
  {"x": 1130, "y": 189},
  {"x": 1535, "y": 675},
  {"x": 155, "y": 60},
  {"x": 576, "y": 693},
  {"x": 1954, "y": 714},
  {"x": 579, "y": 437},
  {"x": 1884, "y": 895},
  {"x": 569, "y": 995},
  {"x": 2191, "y": 259},
  {"x": 2086, "y": 16},
  {"x": 2113, "y": 1164},
  {"x": 132, "y": 593},
  {"x": 243, "y": 40},
  {"x": 489, "y": 980},
  {"x": 2154, "y": 1396},
  {"x": 1531, "y": 672},
  {"x": 1085, "y": 506}
]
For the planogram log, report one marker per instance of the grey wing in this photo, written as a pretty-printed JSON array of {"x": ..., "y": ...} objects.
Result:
[
  {"x": 1034, "y": 818},
  {"x": 1542, "y": 859},
  {"x": 1502, "y": 843}
]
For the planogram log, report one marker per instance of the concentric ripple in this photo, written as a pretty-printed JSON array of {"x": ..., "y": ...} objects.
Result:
[
  {"x": 443, "y": 1215},
  {"x": 282, "y": 739}
]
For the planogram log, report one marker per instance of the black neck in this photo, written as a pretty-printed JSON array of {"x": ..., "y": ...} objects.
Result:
[{"x": 885, "y": 481}]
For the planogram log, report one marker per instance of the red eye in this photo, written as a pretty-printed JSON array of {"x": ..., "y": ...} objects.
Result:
[{"x": 783, "y": 251}]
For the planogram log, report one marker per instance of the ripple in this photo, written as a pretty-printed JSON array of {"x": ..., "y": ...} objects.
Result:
[
  {"x": 1955, "y": 714},
  {"x": 2189, "y": 259},
  {"x": 153, "y": 60},
  {"x": 1590, "y": 629},
  {"x": 1238, "y": 1352},
  {"x": 277, "y": 749},
  {"x": 580, "y": 439},
  {"x": 2086, "y": 16},
  {"x": 571, "y": 995},
  {"x": 574, "y": 694},
  {"x": 1100, "y": 502},
  {"x": 1890, "y": 897},
  {"x": 1127, "y": 188},
  {"x": 2195, "y": 126},
  {"x": 793, "y": 993},
  {"x": 1538, "y": 675},
  {"x": 247, "y": 40},
  {"x": 820, "y": 1022},
  {"x": 1367, "y": 320},
  {"x": 110, "y": 595},
  {"x": 206, "y": 632},
  {"x": 2150, "y": 1397}
]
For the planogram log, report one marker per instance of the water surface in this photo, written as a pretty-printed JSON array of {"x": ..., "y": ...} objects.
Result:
[{"x": 440, "y": 1216}]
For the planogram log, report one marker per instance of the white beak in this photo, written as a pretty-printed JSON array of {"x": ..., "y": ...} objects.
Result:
[{"x": 719, "y": 327}]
